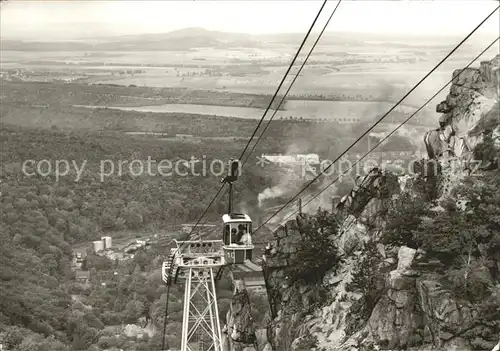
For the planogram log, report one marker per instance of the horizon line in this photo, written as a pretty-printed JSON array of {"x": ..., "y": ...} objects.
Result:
[{"x": 255, "y": 35}]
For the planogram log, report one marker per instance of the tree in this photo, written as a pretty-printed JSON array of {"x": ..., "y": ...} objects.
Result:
[
  {"x": 141, "y": 259},
  {"x": 107, "y": 221},
  {"x": 316, "y": 252},
  {"x": 466, "y": 241},
  {"x": 85, "y": 263},
  {"x": 133, "y": 311}
]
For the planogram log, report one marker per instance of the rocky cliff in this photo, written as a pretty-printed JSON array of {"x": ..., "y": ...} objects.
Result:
[
  {"x": 409, "y": 262},
  {"x": 239, "y": 332}
]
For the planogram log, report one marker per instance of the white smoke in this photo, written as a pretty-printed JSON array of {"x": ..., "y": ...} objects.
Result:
[
  {"x": 310, "y": 205},
  {"x": 290, "y": 183},
  {"x": 288, "y": 213},
  {"x": 269, "y": 193},
  {"x": 414, "y": 135},
  {"x": 323, "y": 200},
  {"x": 286, "y": 179},
  {"x": 297, "y": 148},
  {"x": 287, "y": 182}
]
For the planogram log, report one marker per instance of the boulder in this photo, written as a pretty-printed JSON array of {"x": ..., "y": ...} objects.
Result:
[{"x": 405, "y": 258}]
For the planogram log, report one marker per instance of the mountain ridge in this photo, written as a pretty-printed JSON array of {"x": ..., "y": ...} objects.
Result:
[{"x": 197, "y": 37}]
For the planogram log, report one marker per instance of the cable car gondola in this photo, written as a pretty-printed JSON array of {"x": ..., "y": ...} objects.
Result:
[{"x": 237, "y": 230}]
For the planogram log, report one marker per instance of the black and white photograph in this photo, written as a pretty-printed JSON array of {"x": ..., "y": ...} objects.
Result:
[{"x": 249, "y": 175}]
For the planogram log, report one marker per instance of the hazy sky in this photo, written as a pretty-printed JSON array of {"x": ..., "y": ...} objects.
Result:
[{"x": 46, "y": 20}]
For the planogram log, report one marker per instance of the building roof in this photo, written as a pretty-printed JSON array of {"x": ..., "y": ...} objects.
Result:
[
  {"x": 252, "y": 275},
  {"x": 236, "y": 217},
  {"x": 378, "y": 135},
  {"x": 293, "y": 159},
  {"x": 82, "y": 274},
  {"x": 247, "y": 268}
]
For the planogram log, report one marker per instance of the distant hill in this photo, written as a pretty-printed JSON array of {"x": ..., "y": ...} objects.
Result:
[
  {"x": 191, "y": 32},
  {"x": 179, "y": 40},
  {"x": 196, "y": 37}
]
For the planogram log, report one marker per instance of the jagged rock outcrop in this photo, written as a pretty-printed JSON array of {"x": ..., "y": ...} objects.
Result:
[
  {"x": 381, "y": 296},
  {"x": 470, "y": 108},
  {"x": 367, "y": 201},
  {"x": 294, "y": 305},
  {"x": 395, "y": 319},
  {"x": 239, "y": 332},
  {"x": 282, "y": 294},
  {"x": 416, "y": 310},
  {"x": 470, "y": 115}
]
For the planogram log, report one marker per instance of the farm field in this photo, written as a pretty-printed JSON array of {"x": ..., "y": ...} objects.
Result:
[
  {"x": 346, "y": 79},
  {"x": 370, "y": 70},
  {"x": 379, "y": 85}
]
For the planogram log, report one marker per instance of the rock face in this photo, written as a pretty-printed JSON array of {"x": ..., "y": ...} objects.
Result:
[
  {"x": 470, "y": 107},
  {"x": 239, "y": 333},
  {"x": 295, "y": 306},
  {"x": 364, "y": 201},
  {"x": 416, "y": 310},
  {"x": 289, "y": 303},
  {"x": 395, "y": 319},
  {"x": 378, "y": 296}
]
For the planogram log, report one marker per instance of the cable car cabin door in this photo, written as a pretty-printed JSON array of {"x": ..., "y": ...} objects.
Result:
[{"x": 238, "y": 256}]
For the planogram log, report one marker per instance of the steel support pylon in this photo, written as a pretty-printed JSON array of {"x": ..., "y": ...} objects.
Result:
[
  {"x": 200, "y": 324},
  {"x": 194, "y": 262}
]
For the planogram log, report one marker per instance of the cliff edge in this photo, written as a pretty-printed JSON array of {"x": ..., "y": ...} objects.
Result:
[{"x": 407, "y": 262}]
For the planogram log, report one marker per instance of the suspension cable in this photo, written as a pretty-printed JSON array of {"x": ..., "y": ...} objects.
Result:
[
  {"x": 293, "y": 81},
  {"x": 269, "y": 106},
  {"x": 272, "y": 100},
  {"x": 220, "y": 200},
  {"x": 284, "y": 77},
  {"x": 388, "y": 135},
  {"x": 206, "y": 209},
  {"x": 385, "y": 115},
  {"x": 241, "y": 156}
]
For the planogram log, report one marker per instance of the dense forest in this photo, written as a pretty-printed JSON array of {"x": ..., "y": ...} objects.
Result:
[
  {"x": 48, "y": 93},
  {"x": 42, "y": 217},
  {"x": 43, "y": 307}
]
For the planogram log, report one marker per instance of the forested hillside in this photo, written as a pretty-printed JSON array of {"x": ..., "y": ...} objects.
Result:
[{"x": 42, "y": 307}]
